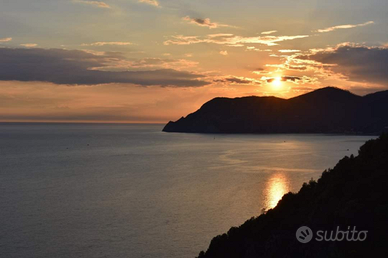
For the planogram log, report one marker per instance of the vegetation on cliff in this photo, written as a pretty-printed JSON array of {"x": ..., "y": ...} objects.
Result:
[{"x": 352, "y": 194}]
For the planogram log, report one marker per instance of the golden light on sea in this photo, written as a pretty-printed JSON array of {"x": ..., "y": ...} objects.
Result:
[{"x": 277, "y": 186}]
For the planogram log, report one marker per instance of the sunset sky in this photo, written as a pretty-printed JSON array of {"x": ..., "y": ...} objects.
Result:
[{"x": 158, "y": 60}]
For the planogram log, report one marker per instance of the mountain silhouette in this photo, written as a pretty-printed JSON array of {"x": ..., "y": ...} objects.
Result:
[
  {"x": 351, "y": 196},
  {"x": 326, "y": 110}
]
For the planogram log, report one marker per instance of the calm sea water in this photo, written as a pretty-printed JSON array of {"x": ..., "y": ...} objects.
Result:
[{"x": 70, "y": 190}]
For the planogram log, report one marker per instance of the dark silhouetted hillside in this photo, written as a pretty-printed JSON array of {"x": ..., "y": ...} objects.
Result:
[
  {"x": 352, "y": 194},
  {"x": 327, "y": 110}
]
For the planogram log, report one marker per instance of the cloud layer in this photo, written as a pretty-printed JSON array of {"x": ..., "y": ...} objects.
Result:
[
  {"x": 237, "y": 80},
  {"x": 231, "y": 40},
  {"x": 114, "y": 43},
  {"x": 75, "y": 67}
]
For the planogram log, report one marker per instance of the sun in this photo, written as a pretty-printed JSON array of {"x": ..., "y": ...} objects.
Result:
[{"x": 277, "y": 83}]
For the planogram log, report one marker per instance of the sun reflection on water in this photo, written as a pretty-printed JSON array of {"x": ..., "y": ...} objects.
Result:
[{"x": 277, "y": 186}]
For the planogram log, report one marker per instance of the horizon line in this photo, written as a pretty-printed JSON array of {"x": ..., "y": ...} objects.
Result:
[{"x": 81, "y": 122}]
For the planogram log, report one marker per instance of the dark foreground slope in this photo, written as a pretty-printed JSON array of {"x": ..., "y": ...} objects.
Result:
[
  {"x": 327, "y": 110},
  {"x": 353, "y": 194}
]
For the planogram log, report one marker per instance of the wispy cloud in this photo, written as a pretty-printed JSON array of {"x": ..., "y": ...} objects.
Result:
[
  {"x": 288, "y": 50},
  {"x": 298, "y": 62},
  {"x": 269, "y": 32},
  {"x": 5, "y": 39},
  {"x": 220, "y": 35},
  {"x": 261, "y": 71},
  {"x": 252, "y": 48},
  {"x": 205, "y": 22},
  {"x": 346, "y": 26},
  {"x": 231, "y": 40},
  {"x": 94, "y": 3},
  {"x": 29, "y": 45},
  {"x": 293, "y": 79},
  {"x": 150, "y": 2},
  {"x": 224, "y": 53},
  {"x": 114, "y": 43},
  {"x": 237, "y": 80}
]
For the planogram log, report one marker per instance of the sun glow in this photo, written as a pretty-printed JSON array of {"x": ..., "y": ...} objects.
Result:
[{"x": 277, "y": 83}]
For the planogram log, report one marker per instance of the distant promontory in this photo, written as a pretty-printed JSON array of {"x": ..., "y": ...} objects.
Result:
[{"x": 326, "y": 110}]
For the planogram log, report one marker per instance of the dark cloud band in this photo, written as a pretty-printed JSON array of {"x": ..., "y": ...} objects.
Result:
[
  {"x": 358, "y": 63},
  {"x": 75, "y": 67}
]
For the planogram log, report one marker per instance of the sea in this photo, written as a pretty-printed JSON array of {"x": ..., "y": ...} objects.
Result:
[{"x": 126, "y": 190}]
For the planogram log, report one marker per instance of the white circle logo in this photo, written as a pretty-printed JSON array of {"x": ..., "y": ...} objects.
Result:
[{"x": 304, "y": 234}]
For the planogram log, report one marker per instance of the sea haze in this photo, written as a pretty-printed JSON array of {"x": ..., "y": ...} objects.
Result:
[{"x": 83, "y": 190}]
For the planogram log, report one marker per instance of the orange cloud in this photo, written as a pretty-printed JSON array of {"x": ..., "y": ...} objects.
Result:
[
  {"x": 29, "y": 45},
  {"x": 5, "y": 39}
]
